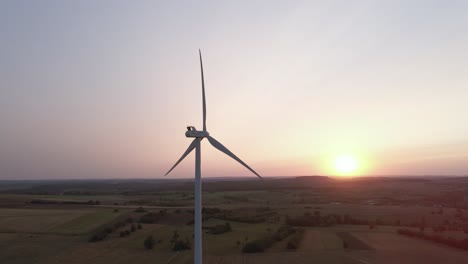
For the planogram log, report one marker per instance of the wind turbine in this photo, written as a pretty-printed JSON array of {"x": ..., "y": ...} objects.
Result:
[{"x": 199, "y": 136}]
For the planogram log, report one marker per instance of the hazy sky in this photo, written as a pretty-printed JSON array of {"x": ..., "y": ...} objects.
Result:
[{"x": 104, "y": 89}]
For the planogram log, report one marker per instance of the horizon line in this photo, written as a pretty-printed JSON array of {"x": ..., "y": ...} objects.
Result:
[{"x": 237, "y": 177}]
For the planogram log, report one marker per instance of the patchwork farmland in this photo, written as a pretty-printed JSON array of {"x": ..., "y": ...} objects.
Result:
[{"x": 290, "y": 225}]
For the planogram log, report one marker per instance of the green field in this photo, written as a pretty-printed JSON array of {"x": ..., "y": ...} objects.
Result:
[
  {"x": 58, "y": 231},
  {"x": 54, "y": 221},
  {"x": 88, "y": 221}
]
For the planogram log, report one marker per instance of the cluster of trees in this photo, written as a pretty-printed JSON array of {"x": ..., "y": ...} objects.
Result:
[
  {"x": 103, "y": 232},
  {"x": 261, "y": 214},
  {"x": 151, "y": 218},
  {"x": 295, "y": 240},
  {"x": 317, "y": 219},
  {"x": 133, "y": 228},
  {"x": 207, "y": 213},
  {"x": 267, "y": 241},
  {"x": 219, "y": 229},
  {"x": 178, "y": 244},
  {"x": 106, "y": 230},
  {"x": 250, "y": 219},
  {"x": 149, "y": 242},
  {"x": 449, "y": 241},
  {"x": 90, "y": 202}
]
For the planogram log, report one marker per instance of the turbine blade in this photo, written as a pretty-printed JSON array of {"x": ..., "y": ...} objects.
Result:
[
  {"x": 226, "y": 151},
  {"x": 189, "y": 149},
  {"x": 203, "y": 92}
]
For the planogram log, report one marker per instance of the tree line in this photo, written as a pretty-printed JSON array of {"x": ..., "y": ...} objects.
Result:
[{"x": 449, "y": 241}]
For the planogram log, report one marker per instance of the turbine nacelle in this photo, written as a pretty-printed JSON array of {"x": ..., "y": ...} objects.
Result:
[{"x": 192, "y": 132}]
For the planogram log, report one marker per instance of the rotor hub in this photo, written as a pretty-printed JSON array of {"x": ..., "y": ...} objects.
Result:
[{"x": 192, "y": 132}]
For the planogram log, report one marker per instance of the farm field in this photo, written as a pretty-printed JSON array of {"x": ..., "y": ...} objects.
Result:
[
  {"x": 54, "y": 221},
  {"x": 102, "y": 228},
  {"x": 33, "y": 248},
  {"x": 393, "y": 248}
]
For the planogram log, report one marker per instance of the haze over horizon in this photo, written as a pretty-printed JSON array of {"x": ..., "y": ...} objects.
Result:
[{"x": 106, "y": 89}]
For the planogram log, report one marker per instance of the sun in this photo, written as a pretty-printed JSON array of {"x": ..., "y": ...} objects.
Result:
[{"x": 346, "y": 165}]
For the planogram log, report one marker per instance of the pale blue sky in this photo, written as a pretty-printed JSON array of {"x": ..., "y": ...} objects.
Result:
[{"x": 92, "y": 89}]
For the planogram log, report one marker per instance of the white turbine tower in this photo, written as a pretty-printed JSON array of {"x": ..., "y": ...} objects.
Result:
[{"x": 199, "y": 136}]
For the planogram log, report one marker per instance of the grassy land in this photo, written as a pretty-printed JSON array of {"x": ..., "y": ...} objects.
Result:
[
  {"x": 43, "y": 234},
  {"x": 55, "y": 221},
  {"x": 393, "y": 248},
  {"x": 35, "y": 220},
  {"x": 88, "y": 221},
  {"x": 31, "y": 248},
  {"x": 227, "y": 243}
]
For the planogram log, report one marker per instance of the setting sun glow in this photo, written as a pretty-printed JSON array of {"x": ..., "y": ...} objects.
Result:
[{"x": 346, "y": 165}]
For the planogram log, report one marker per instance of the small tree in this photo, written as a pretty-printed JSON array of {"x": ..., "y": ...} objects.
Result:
[
  {"x": 94, "y": 238},
  {"x": 175, "y": 237},
  {"x": 149, "y": 242},
  {"x": 253, "y": 247},
  {"x": 180, "y": 245}
]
